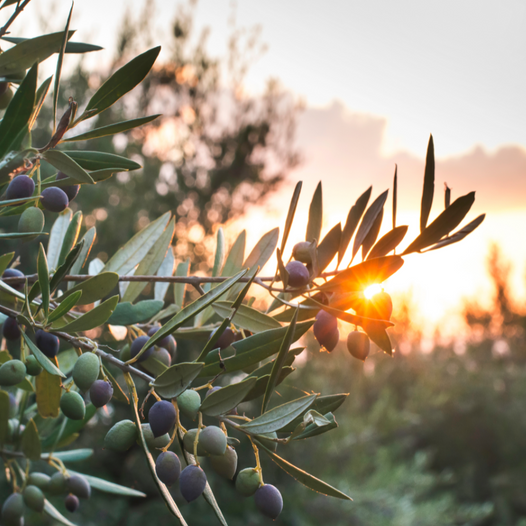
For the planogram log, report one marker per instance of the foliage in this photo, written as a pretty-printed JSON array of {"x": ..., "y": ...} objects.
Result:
[{"x": 57, "y": 323}]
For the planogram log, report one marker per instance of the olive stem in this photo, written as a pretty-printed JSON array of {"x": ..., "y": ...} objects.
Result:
[
  {"x": 258, "y": 463},
  {"x": 199, "y": 426}
]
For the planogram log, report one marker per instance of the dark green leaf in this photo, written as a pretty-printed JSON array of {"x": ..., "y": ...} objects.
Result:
[
  {"x": 461, "y": 234},
  {"x": 101, "y": 161},
  {"x": 128, "y": 314},
  {"x": 42, "y": 359},
  {"x": 112, "y": 129},
  {"x": 368, "y": 221},
  {"x": 39, "y": 102},
  {"x": 27, "y": 53},
  {"x": 372, "y": 235},
  {"x": 353, "y": 218},
  {"x": 74, "y": 455},
  {"x": 223, "y": 400},
  {"x": 429, "y": 185},
  {"x": 31, "y": 441},
  {"x": 305, "y": 478},
  {"x": 388, "y": 242},
  {"x": 4, "y": 416},
  {"x": 93, "y": 318},
  {"x": 118, "y": 391},
  {"x": 313, "y": 429},
  {"x": 43, "y": 279},
  {"x": 5, "y": 259},
  {"x": 70, "y": 239},
  {"x": 69, "y": 166},
  {"x": 279, "y": 417},
  {"x": 93, "y": 289},
  {"x": 12, "y": 202},
  {"x": 328, "y": 248},
  {"x": 54, "y": 514},
  {"x": 176, "y": 379},
  {"x": 120, "y": 83},
  {"x": 65, "y": 307},
  {"x": 265, "y": 369},
  {"x": 70, "y": 259},
  {"x": 449, "y": 219},
  {"x": 246, "y": 317},
  {"x": 262, "y": 382},
  {"x": 315, "y": 216},
  {"x": 87, "y": 242},
  {"x": 379, "y": 335},
  {"x": 16, "y": 235},
  {"x": 290, "y": 214},
  {"x": 18, "y": 113},
  {"x": 447, "y": 196},
  {"x": 279, "y": 361},
  {"x": 109, "y": 487},
  {"x": 71, "y": 47}
]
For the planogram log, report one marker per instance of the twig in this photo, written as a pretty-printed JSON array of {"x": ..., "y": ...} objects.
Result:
[{"x": 19, "y": 8}]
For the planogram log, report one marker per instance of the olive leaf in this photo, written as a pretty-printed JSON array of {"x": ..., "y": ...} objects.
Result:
[
  {"x": 290, "y": 214},
  {"x": 429, "y": 185},
  {"x": 315, "y": 216},
  {"x": 223, "y": 400}
]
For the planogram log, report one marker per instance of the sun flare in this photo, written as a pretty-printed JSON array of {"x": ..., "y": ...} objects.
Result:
[{"x": 371, "y": 290}]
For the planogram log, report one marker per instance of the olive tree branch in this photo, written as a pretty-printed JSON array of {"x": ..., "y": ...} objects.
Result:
[{"x": 19, "y": 8}]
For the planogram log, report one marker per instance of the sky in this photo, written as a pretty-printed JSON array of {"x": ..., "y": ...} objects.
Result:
[{"x": 377, "y": 78}]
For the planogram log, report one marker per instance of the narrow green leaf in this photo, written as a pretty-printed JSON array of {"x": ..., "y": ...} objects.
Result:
[
  {"x": 93, "y": 289},
  {"x": 372, "y": 235},
  {"x": 180, "y": 288},
  {"x": 74, "y": 455},
  {"x": 101, "y": 161},
  {"x": 429, "y": 185},
  {"x": 132, "y": 253},
  {"x": 43, "y": 279},
  {"x": 461, "y": 234},
  {"x": 61, "y": 161},
  {"x": 128, "y": 314},
  {"x": 279, "y": 361},
  {"x": 263, "y": 250},
  {"x": 5, "y": 259},
  {"x": 305, "y": 478},
  {"x": 246, "y": 317},
  {"x": 54, "y": 514},
  {"x": 282, "y": 270},
  {"x": 93, "y": 318},
  {"x": 31, "y": 441},
  {"x": 447, "y": 196},
  {"x": 388, "y": 242},
  {"x": 120, "y": 83},
  {"x": 42, "y": 359},
  {"x": 16, "y": 235},
  {"x": 255, "y": 348},
  {"x": 28, "y": 52},
  {"x": 315, "y": 429},
  {"x": 265, "y": 369},
  {"x": 315, "y": 216},
  {"x": 39, "y": 101},
  {"x": 58, "y": 71},
  {"x": 223, "y": 400},
  {"x": 290, "y": 214},
  {"x": 70, "y": 259},
  {"x": 279, "y": 417},
  {"x": 353, "y": 218},
  {"x": 4, "y": 416},
  {"x": 109, "y": 487},
  {"x": 18, "y": 113},
  {"x": 71, "y": 47},
  {"x": 449, "y": 219},
  {"x": 118, "y": 391},
  {"x": 65, "y": 307},
  {"x": 262, "y": 382},
  {"x": 176, "y": 379},
  {"x": 112, "y": 129},
  {"x": 234, "y": 260},
  {"x": 87, "y": 240},
  {"x": 56, "y": 237},
  {"x": 70, "y": 239},
  {"x": 368, "y": 220},
  {"x": 165, "y": 270},
  {"x": 13, "y": 202},
  {"x": 151, "y": 262},
  {"x": 328, "y": 248}
]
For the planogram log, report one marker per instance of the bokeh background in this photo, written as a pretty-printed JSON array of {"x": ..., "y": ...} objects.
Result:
[{"x": 256, "y": 96}]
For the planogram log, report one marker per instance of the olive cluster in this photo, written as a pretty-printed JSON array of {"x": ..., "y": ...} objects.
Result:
[
  {"x": 52, "y": 198},
  {"x": 164, "y": 350},
  {"x": 38, "y": 485}
]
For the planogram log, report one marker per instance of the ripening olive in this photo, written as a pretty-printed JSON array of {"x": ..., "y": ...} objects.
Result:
[
  {"x": 31, "y": 220},
  {"x": 54, "y": 199},
  {"x": 151, "y": 441},
  {"x": 40, "y": 480},
  {"x": 161, "y": 417},
  {"x": 324, "y": 325},
  {"x": 33, "y": 498},
  {"x": 358, "y": 345},
  {"x": 163, "y": 356},
  {"x": 248, "y": 481},
  {"x": 189, "y": 403},
  {"x": 71, "y": 503},
  {"x": 192, "y": 482},
  {"x": 269, "y": 501},
  {"x": 86, "y": 370},
  {"x": 57, "y": 484},
  {"x": 168, "y": 342},
  {"x": 100, "y": 393},
  {"x": 121, "y": 436},
  {"x": 11, "y": 330},
  {"x": 137, "y": 345},
  {"x": 78, "y": 486},
  {"x": 213, "y": 440},
  {"x": 302, "y": 252},
  {"x": 298, "y": 274},
  {"x": 13, "y": 510},
  {"x": 189, "y": 440},
  {"x": 72, "y": 405},
  {"x": 14, "y": 273},
  {"x": 33, "y": 368},
  {"x": 48, "y": 343},
  {"x": 12, "y": 372},
  {"x": 20, "y": 187},
  {"x": 226, "y": 339},
  {"x": 225, "y": 465},
  {"x": 71, "y": 190},
  {"x": 168, "y": 467}
]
